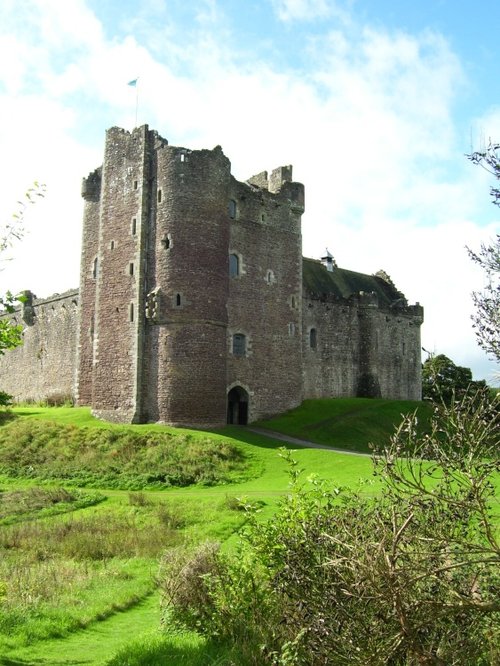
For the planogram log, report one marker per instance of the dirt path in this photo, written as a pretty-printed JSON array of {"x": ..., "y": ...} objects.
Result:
[{"x": 94, "y": 645}]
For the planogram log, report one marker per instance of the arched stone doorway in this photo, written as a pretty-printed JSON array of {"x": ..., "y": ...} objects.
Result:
[{"x": 237, "y": 406}]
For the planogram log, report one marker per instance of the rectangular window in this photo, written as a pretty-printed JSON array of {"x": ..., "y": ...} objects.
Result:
[{"x": 239, "y": 344}]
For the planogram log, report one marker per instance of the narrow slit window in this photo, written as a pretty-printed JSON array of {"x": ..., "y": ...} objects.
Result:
[
  {"x": 239, "y": 344},
  {"x": 134, "y": 226},
  {"x": 234, "y": 265},
  {"x": 231, "y": 208},
  {"x": 291, "y": 328},
  {"x": 313, "y": 338},
  {"x": 159, "y": 196},
  {"x": 112, "y": 245},
  {"x": 136, "y": 184},
  {"x": 131, "y": 268},
  {"x": 178, "y": 300},
  {"x": 131, "y": 312},
  {"x": 95, "y": 268}
]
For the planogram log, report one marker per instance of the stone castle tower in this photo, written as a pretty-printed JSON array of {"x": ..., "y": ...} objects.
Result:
[
  {"x": 189, "y": 282},
  {"x": 196, "y": 306}
]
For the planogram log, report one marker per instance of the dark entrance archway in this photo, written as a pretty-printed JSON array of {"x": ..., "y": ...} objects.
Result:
[{"x": 237, "y": 406}]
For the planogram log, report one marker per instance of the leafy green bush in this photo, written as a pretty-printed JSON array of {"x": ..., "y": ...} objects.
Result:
[
  {"x": 409, "y": 577},
  {"x": 5, "y": 399},
  {"x": 117, "y": 458}
]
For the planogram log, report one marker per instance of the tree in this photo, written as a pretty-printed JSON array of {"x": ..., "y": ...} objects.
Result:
[
  {"x": 486, "y": 319},
  {"x": 10, "y": 334},
  {"x": 442, "y": 380}
]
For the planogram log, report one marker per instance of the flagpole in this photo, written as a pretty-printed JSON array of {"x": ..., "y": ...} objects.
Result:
[
  {"x": 134, "y": 84},
  {"x": 136, "y": 101}
]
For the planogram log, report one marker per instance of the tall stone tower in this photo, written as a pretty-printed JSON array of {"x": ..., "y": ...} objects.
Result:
[{"x": 154, "y": 283}]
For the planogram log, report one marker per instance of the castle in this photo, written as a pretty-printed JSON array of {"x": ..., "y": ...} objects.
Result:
[{"x": 196, "y": 306}]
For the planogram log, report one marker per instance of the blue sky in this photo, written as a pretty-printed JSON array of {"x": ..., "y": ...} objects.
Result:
[{"x": 375, "y": 103}]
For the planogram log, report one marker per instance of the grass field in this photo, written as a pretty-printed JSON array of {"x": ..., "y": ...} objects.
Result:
[{"x": 78, "y": 564}]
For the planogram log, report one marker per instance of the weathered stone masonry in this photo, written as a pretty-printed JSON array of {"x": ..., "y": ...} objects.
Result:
[
  {"x": 196, "y": 307},
  {"x": 44, "y": 365}
]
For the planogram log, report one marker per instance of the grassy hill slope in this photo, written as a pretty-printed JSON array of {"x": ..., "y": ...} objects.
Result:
[{"x": 102, "y": 546}]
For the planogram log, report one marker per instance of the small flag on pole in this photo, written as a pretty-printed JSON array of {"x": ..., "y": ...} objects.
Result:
[{"x": 133, "y": 84}]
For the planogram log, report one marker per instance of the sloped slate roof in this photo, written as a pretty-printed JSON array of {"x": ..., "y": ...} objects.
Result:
[{"x": 343, "y": 283}]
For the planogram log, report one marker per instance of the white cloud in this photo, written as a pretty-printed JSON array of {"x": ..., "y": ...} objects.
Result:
[
  {"x": 368, "y": 126},
  {"x": 300, "y": 10}
]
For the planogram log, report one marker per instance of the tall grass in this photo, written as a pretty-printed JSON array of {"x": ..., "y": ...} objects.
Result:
[
  {"x": 59, "y": 575},
  {"x": 32, "y": 503},
  {"x": 47, "y": 599},
  {"x": 116, "y": 458}
]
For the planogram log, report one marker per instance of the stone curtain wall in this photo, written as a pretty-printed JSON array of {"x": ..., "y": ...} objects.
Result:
[
  {"x": 331, "y": 369},
  {"x": 361, "y": 349},
  {"x": 43, "y": 367}
]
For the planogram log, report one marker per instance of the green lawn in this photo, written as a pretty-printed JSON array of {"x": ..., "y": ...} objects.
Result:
[
  {"x": 109, "y": 548},
  {"x": 350, "y": 423}
]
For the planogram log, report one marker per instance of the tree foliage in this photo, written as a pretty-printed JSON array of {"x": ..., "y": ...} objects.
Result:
[
  {"x": 486, "y": 319},
  {"x": 410, "y": 576},
  {"x": 489, "y": 159},
  {"x": 12, "y": 231},
  {"x": 443, "y": 381}
]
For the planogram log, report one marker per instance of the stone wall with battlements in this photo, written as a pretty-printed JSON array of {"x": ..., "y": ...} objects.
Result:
[{"x": 43, "y": 367}]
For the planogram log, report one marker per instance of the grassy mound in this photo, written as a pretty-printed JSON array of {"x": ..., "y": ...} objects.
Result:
[
  {"x": 348, "y": 423},
  {"x": 115, "y": 458}
]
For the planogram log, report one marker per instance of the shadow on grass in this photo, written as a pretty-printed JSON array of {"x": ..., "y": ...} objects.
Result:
[
  {"x": 245, "y": 436},
  {"x": 349, "y": 424},
  {"x": 6, "y": 416},
  {"x": 187, "y": 649},
  {"x": 64, "y": 661}
]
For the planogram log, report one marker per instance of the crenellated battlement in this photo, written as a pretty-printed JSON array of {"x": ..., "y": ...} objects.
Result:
[{"x": 91, "y": 186}]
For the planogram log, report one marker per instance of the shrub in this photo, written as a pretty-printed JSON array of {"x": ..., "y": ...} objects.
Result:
[
  {"x": 5, "y": 399},
  {"x": 184, "y": 583},
  {"x": 409, "y": 577},
  {"x": 59, "y": 399},
  {"x": 139, "y": 499}
]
